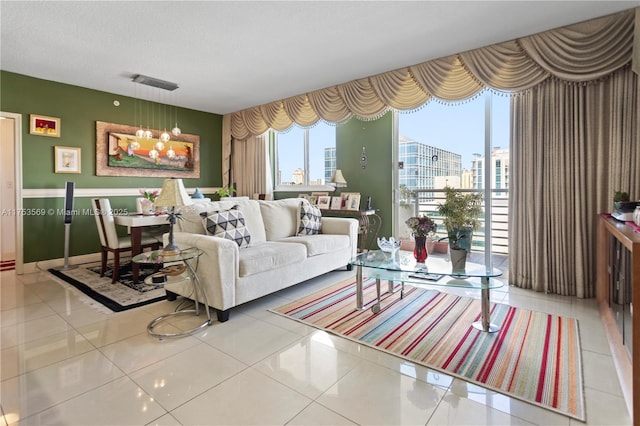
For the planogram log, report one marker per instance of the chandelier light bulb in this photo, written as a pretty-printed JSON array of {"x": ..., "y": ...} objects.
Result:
[
  {"x": 171, "y": 153},
  {"x": 164, "y": 137},
  {"x": 176, "y": 130},
  {"x": 148, "y": 134},
  {"x": 159, "y": 145},
  {"x": 135, "y": 145},
  {"x": 139, "y": 133},
  {"x": 153, "y": 153}
]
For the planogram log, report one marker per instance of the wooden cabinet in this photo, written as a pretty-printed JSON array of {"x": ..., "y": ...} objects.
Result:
[{"x": 617, "y": 292}]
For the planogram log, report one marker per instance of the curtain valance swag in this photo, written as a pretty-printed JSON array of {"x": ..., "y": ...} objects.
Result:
[{"x": 577, "y": 53}]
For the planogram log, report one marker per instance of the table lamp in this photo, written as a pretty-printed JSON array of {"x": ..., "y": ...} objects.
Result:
[
  {"x": 172, "y": 195},
  {"x": 338, "y": 180}
]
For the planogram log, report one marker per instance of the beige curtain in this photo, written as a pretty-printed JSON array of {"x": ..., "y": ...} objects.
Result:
[
  {"x": 580, "y": 52},
  {"x": 572, "y": 146},
  {"x": 250, "y": 166},
  {"x": 226, "y": 151}
]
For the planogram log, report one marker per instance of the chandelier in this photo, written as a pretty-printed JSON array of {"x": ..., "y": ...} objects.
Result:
[{"x": 156, "y": 88}]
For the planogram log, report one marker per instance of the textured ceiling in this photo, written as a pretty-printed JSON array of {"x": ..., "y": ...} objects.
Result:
[{"x": 227, "y": 56}]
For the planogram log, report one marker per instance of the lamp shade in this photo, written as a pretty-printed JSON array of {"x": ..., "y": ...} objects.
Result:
[
  {"x": 173, "y": 194},
  {"x": 337, "y": 179}
]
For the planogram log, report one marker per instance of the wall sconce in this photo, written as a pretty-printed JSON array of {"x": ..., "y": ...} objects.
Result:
[{"x": 363, "y": 159}]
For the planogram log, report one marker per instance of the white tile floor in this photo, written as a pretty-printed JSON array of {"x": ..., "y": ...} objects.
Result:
[{"x": 64, "y": 362}]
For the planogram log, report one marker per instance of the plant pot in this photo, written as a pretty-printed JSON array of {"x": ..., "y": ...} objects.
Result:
[
  {"x": 431, "y": 246},
  {"x": 458, "y": 260},
  {"x": 407, "y": 244},
  {"x": 440, "y": 247}
]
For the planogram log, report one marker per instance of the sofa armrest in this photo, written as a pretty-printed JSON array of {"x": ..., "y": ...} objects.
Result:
[
  {"x": 217, "y": 267},
  {"x": 342, "y": 226}
]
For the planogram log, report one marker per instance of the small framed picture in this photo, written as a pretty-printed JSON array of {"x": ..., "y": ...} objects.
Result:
[
  {"x": 44, "y": 126},
  {"x": 336, "y": 203},
  {"x": 305, "y": 196},
  {"x": 313, "y": 200},
  {"x": 319, "y": 194},
  {"x": 345, "y": 197},
  {"x": 67, "y": 159},
  {"x": 353, "y": 202},
  {"x": 324, "y": 202}
]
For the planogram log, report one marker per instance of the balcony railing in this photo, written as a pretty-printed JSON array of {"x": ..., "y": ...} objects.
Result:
[{"x": 427, "y": 201}]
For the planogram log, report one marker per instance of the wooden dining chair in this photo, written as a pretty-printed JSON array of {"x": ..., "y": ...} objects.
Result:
[{"x": 109, "y": 240}]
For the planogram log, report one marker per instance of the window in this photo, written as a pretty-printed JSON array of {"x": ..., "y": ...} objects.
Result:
[
  {"x": 444, "y": 145},
  {"x": 305, "y": 157}
]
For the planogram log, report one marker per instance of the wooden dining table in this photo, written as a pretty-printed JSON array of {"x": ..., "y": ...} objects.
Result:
[{"x": 137, "y": 223}]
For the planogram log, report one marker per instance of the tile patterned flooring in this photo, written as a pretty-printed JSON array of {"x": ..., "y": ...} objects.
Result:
[{"x": 65, "y": 362}]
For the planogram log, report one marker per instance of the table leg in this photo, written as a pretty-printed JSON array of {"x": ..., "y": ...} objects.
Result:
[
  {"x": 485, "y": 315},
  {"x": 359, "y": 290},
  {"x": 376, "y": 307},
  {"x": 199, "y": 293},
  {"x": 136, "y": 248}
]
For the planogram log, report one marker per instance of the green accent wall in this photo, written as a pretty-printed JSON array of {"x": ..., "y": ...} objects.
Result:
[
  {"x": 79, "y": 109},
  {"x": 375, "y": 180}
]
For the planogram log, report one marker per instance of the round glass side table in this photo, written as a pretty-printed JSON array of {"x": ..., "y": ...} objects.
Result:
[{"x": 185, "y": 257}]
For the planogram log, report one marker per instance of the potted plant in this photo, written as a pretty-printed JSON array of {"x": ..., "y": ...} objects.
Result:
[
  {"x": 620, "y": 200},
  {"x": 460, "y": 212},
  {"x": 226, "y": 192}
]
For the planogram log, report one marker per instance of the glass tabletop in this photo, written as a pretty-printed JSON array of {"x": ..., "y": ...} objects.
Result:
[
  {"x": 158, "y": 256},
  {"x": 404, "y": 267}
]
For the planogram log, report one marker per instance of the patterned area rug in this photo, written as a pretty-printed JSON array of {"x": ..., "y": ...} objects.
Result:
[
  {"x": 122, "y": 295},
  {"x": 7, "y": 265},
  {"x": 534, "y": 357}
]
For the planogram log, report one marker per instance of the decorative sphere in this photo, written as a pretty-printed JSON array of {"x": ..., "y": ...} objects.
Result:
[
  {"x": 159, "y": 146},
  {"x": 148, "y": 134},
  {"x": 139, "y": 133},
  {"x": 135, "y": 145},
  {"x": 171, "y": 153},
  {"x": 176, "y": 131},
  {"x": 164, "y": 137},
  {"x": 153, "y": 153}
]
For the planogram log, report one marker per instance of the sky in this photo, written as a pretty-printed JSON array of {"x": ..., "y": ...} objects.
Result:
[{"x": 458, "y": 128}]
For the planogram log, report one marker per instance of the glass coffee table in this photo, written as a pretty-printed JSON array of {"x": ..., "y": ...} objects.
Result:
[
  {"x": 172, "y": 262},
  {"x": 436, "y": 271}
]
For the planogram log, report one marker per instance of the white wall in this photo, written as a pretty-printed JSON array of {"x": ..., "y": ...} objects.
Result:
[{"x": 7, "y": 190}]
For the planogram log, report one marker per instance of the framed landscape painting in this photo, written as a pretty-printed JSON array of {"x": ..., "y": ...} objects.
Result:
[{"x": 120, "y": 153}]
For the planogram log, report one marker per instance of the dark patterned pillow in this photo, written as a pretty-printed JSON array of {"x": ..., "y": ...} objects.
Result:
[
  {"x": 309, "y": 219},
  {"x": 227, "y": 224}
]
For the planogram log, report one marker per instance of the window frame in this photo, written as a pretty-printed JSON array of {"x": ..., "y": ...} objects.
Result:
[{"x": 305, "y": 187}]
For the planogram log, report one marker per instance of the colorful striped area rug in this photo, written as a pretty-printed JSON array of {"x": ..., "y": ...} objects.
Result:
[
  {"x": 7, "y": 265},
  {"x": 534, "y": 357}
]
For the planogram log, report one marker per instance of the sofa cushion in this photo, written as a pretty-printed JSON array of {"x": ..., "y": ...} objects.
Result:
[
  {"x": 269, "y": 255},
  {"x": 280, "y": 218},
  {"x": 321, "y": 243},
  {"x": 192, "y": 221},
  {"x": 229, "y": 224},
  {"x": 309, "y": 219}
]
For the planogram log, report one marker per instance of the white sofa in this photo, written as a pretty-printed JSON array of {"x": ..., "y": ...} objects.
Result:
[{"x": 276, "y": 258}]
